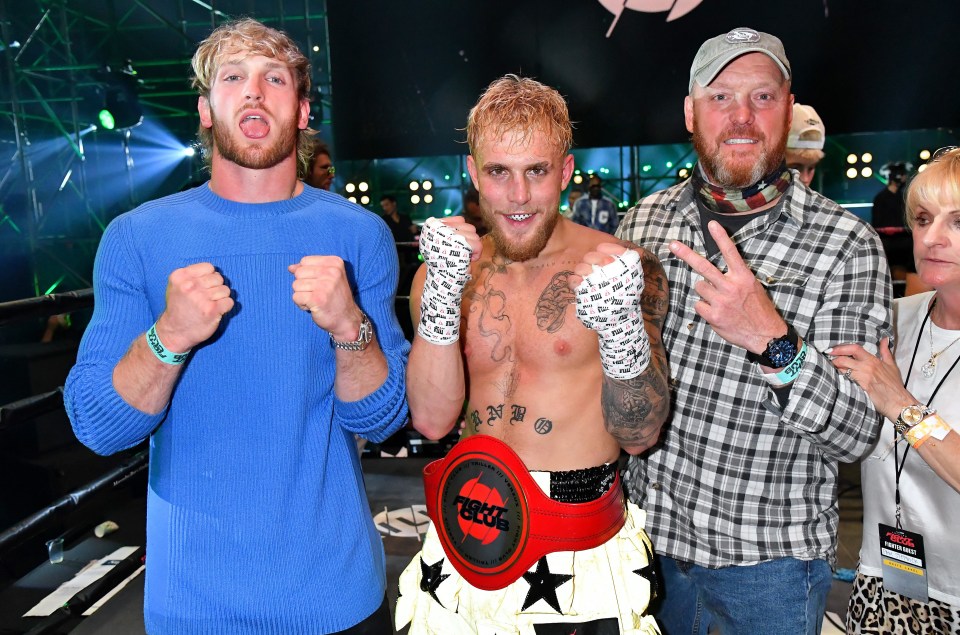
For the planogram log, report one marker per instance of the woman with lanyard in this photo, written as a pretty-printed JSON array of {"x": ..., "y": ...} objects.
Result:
[{"x": 908, "y": 580}]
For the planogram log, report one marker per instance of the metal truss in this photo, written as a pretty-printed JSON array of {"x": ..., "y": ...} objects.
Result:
[{"x": 56, "y": 60}]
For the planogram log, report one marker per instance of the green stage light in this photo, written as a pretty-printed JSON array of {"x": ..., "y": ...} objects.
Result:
[{"x": 107, "y": 122}]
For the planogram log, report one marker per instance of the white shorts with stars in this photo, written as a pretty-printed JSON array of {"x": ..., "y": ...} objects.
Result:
[{"x": 609, "y": 585}]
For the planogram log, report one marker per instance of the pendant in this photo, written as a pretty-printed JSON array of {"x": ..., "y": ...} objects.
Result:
[{"x": 929, "y": 368}]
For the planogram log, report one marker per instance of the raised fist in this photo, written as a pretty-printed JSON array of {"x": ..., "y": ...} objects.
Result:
[
  {"x": 447, "y": 247},
  {"x": 608, "y": 301},
  {"x": 320, "y": 286},
  {"x": 197, "y": 298}
]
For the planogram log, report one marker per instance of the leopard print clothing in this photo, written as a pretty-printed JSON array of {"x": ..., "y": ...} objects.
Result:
[{"x": 872, "y": 610}]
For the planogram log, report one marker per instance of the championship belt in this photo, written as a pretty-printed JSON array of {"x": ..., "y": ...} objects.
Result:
[{"x": 495, "y": 522}]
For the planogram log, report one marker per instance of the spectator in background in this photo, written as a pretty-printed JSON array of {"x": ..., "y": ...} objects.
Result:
[
  {"x": 595, "y": 210},
  {"x": 404, "y": 230},
  {"x": 805, "y": 143},
  {"x": 575, "y": 195},
  {"x": 472, "y": 213},
  {"x": 320, "y": 171},
  {"x": 889, "y": 220}
]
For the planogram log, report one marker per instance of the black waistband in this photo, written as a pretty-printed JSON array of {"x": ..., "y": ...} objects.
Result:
[{"x": 582, "y": 486}]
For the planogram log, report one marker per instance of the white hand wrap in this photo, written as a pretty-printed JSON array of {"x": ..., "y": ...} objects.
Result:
[
  {"x": 447, "y": 255},
  {"x": 608, "y": 301}
]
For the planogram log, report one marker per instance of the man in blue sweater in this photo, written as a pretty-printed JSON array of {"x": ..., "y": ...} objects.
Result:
[{"x": 257, "y": 518}]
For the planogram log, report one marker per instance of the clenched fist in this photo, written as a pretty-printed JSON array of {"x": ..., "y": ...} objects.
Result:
[
  {"x": 320, "y": 286},
  {"x": 197, "y": 298}
]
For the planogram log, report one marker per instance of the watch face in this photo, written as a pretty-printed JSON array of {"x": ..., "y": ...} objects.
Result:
[
  {"x": 912, "y": 415},
  {"x": 781, "y": 352}
]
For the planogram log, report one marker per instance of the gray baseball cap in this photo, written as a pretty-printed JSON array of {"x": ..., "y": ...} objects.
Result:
[{"x": 719, "y": 51}]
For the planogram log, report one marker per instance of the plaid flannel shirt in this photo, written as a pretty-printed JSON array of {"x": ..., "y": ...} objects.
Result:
[{"x": 737, "y": 479}]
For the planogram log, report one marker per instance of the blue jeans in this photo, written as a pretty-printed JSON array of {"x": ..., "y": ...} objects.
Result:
[{"x": 786, "y": 596}]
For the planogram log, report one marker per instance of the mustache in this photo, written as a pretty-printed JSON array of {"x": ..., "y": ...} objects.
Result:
[
  {"x": 249, "y": 106},
  {"x": 743, "y": 131}
]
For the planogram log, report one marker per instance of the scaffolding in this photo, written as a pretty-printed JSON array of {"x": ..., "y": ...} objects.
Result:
[{"x": 62, "y": 176}]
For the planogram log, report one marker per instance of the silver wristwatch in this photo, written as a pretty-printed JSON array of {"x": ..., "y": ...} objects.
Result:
[{"x": 363, "y": 339}]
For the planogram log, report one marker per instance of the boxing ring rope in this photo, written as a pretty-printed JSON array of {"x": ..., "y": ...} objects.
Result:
[
  {"x": 25, "y": 410},
  {"x": 113, "y": 479},
  {"x": 45, "y": 305}
]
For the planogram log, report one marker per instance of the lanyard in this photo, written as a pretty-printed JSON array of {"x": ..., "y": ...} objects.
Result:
[{"x": 900, "y": 461}]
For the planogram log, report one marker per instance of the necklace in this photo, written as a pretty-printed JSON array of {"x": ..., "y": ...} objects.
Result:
[{"x": 930, "y": 367}]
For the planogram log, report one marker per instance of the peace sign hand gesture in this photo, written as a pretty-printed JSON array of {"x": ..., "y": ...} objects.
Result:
[{"x": 734, "y": 303}]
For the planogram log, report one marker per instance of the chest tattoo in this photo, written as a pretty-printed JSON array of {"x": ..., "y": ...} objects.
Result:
[
  {"x": 493, "y": 322},
  {"x": 552, "y": 304}
]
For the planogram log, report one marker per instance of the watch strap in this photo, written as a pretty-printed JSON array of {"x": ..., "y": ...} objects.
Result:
[
  {"x": 363, "y": 337},
  {"x": 764, "y": 358}
]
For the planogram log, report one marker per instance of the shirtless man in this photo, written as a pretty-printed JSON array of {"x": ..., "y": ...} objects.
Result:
[{"x": 563, "y": 397}]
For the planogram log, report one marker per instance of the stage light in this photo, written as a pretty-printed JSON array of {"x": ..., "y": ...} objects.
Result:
[
  {"x": 683, "y": 173},
  {"x": 446, "y": 177},
  {"x": 647, "y": 167},
  {"x": 363, "y": 187},
  {"x": 866, "y": 157},
  {"x": 924, "y": 155},
  {"x": 448, "y": 212},
  {"x": 107, "y": 122},
  {"x": 866, "y": 172},
  {"x": 578, "y": 179},
  {"x": 352, "y": 199},
  {"x": 669, "y": 165},
  {"x": 427, "y": 185},
  {"x": 121, "y": 106},
  {"x": 364, "y": 200},
  {"x": 316, "y": 49},
  {"x": 428, "y": 198},
  {"x": 189, "y": 151},
  {"x": 351, "y": 188},
  {"x": 688, "y": 165},
  {"x": 415, "y": 199},
  {"x": 851, "y": 158},
  {"x": 851, "y": 173},
  {"x": 414, "y": 186},
  {"x": 922, "y": 167}
]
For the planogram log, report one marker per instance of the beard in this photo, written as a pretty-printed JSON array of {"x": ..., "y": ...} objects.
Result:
[
  {"x": 737, "y": 174},
  {"x": 255, "y": 157},
  {"x": 528, "y": 248}
]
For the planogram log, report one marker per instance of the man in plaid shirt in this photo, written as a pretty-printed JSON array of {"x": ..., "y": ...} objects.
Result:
[{"x": 765, "y": 275}]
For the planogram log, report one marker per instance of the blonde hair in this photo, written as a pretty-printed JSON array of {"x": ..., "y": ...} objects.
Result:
[
  {"x": 520, "y": 105},
  {"x": 248, "y": 37},
  {"x": 940, "y": 182},
  {"x": 804, "y": 155}
]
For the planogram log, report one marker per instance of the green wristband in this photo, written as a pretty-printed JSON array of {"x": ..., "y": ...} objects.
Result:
[{"x": 161, "y": 352}]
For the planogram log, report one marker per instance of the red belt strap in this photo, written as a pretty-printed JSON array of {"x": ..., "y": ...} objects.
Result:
[{"x": 495, "y": 522}]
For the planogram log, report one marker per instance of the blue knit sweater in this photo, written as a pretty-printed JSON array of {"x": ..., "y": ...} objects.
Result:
[{"x": 257, "y": 518}]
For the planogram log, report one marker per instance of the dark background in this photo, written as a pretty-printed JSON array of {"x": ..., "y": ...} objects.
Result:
[{"x": 406, "y": 73}]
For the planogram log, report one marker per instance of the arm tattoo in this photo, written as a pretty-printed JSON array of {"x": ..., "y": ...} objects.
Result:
[{"x": 635, "y": 409}]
